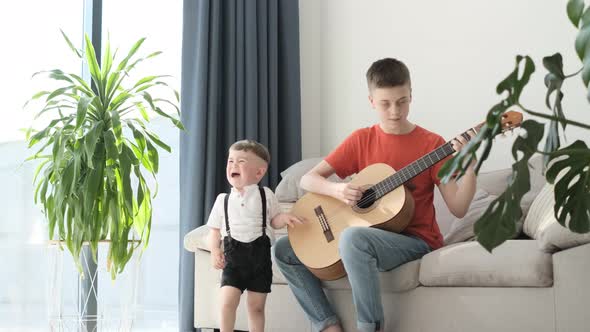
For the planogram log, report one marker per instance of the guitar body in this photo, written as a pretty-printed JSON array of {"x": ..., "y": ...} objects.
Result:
[{"x": 316, "y": 242}]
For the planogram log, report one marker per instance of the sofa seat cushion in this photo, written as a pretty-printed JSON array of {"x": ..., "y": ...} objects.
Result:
[
  {"x": 515, "y": 263},
  {"x": 400, "y": 279}
]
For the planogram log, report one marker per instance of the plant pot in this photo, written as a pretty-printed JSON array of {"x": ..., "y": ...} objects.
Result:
[{"x": 91, "y": 301}]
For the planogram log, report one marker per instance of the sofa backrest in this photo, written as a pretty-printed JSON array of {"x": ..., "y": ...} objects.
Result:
[{"x": 494, "y": 183}]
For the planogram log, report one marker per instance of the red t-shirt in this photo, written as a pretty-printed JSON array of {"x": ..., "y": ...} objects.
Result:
[{"x": 372, "y": 145}]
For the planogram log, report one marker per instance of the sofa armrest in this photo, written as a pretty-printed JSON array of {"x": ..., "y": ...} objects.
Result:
[
  {"x": 571, "y": 272},
  {"x": 197, "y": 239}
]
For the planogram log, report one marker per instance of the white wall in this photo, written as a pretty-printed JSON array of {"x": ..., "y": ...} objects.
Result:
[
  {"x": 457, "y": 52},
  {"x": 310, "y": 50}
]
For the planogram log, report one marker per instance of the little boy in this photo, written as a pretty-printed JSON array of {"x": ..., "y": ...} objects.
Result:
[{"x": 241, "y": 218}]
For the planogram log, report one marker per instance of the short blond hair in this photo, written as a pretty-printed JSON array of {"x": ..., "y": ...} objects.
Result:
[{"x": 249, "y": 145}]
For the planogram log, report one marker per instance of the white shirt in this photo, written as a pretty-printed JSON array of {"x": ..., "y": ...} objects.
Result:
[{"x": 245, "y": 213}]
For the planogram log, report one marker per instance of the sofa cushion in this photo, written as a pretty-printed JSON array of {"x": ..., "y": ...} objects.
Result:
[
  {"x": 540, "y": 224},
  {"x": 515, "y": 263},
  {"x": 494, "y": 182},
  {"x": 400, "y": 279},
  {"x": 462, "y": 228},
  {"x": 540, "y": 213},
  {"x": 489, "y": 186}
]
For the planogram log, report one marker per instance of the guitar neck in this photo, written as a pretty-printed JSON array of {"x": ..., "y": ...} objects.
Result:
[{"x": 405, "y": 174}]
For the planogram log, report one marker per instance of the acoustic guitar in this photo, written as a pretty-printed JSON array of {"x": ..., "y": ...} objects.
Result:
[{"x": 386, "y": 204}]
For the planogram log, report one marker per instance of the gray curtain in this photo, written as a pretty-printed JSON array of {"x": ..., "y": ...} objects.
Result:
[{"x": 240, "y": 79}]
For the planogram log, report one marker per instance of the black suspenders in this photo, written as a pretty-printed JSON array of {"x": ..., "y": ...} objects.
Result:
[{"x": 263, "y": 198}]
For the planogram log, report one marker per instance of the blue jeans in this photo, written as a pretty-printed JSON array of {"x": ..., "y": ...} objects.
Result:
[{"x": 364, "y": 251}]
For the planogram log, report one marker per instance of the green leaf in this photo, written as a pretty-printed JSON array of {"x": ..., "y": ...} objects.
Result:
[
  {"x": 142, "y": 111},
  {"x": 107, "y": 59},
  {"x": 81, "y": 112},
  {"x": 116, "y": 126},
  {"x": 75, "y": 50},
  {"x": 91, "y": 141},
  {"x": 574, "y": 11},
  {"x": 585, "y": 17},
  {"x": 82, "y": 85},
  {"x": 498, "y": 223},
  {"x": 59, "y": 92},
  {"x": 552, "y": 143},
  {"x": 176, "y": 122},
  {"x": 93, "y": 66},
  {"x": 153, "y": 156},
  {"x": 513, "y": 84},
  {"x": 132, "y": 51},
  {"x": 554, "y": 64},
  {"x": 581, "y": 43},
  {"x": 93, "y": 187},
  {"x": 144, "y": 80},
  {"x": 111, "y": 145},
  {"x": 158, "y": 141},
  {"x": 125, "y": 167},
  {"x": 570, "y": 166},
  {"x": 139, "y": 137},
  {"x": 59, "y": 75},
  {"x": 39, "y": 136}
]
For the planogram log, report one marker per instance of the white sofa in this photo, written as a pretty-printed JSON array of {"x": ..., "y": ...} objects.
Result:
[{"x": 525, "y": 285}]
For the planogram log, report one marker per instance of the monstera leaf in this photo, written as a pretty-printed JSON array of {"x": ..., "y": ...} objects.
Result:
[
  {"x": 498, "y": 222},
  {"x": 571, "y": 167},
  {"x": 554, "y": 81}
]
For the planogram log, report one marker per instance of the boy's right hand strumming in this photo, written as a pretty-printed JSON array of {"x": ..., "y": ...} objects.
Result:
[{"x": 347, "y": 192}]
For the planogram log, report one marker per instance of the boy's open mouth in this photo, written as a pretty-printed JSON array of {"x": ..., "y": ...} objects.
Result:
[{"x": 234, "y": 174}]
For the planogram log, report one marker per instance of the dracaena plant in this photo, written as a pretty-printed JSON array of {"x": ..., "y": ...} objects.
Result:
[
  {"x": 96, "y": 152},
  {"x": 569, "y": 166}
]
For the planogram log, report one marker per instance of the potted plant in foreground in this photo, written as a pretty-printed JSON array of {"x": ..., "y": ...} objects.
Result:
[
  {"x": 96, "y": 152},
  {"x": 569, "y": 166}
]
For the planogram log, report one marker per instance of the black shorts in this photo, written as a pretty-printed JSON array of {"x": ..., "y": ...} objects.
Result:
[{"x": 247, "y": 265}]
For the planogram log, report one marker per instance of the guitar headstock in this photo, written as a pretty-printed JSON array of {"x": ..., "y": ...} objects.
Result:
[{"x": 511, "y": 120}]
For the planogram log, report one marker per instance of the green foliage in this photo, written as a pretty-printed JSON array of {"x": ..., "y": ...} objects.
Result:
[
  {"x": 95, "y": 154},
  {"x": 569, "y": 166}
]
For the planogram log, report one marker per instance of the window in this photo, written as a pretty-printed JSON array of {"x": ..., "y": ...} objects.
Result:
[
  {"x": 33, "y": 42},
  {"x": 161, "y": 24}
]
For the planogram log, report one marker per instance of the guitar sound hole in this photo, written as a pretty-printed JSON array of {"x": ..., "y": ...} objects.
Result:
[{"x": 367, "y": 200}]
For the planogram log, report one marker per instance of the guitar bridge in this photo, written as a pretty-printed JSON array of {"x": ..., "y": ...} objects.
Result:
[{"x": 319, "y": 212}]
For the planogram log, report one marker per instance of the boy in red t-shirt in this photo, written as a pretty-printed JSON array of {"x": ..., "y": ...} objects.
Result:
[{"x": 366, "y": 251}]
